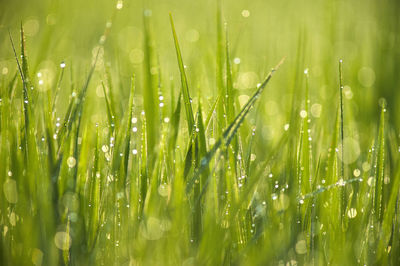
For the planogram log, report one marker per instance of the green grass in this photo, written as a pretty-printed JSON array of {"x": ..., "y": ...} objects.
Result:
[{"x": 173, "y": 133}]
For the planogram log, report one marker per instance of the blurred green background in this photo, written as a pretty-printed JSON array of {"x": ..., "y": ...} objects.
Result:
[{"x": 311, "y": 34}]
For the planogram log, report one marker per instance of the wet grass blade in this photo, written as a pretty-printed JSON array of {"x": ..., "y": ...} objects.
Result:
[
  {"x": 380, "y": 167},
  {"x": 110, "y": 113},
  {"x": 185, "y": 88},
  {"x": 150, "y": 94}
]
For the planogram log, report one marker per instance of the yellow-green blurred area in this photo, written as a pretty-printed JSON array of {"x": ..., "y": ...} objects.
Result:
[{"x": 311, "y": 34}]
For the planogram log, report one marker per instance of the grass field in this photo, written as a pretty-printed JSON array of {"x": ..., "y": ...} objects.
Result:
[{"x": 199, "y": 132}]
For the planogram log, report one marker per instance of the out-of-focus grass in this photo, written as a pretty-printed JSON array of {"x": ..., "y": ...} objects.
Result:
[{"x": 122, "y": 143}]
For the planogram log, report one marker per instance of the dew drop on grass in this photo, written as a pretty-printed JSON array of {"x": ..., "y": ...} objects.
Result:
[
  {"x": 104, "y": 148},
  {"x": 348, "y": 92},
  {"x": 352, "y": 213},
  {"x": 245, "y": 13},
  {"x": 303, "y": 113},
  {"x": 301, "y": 247},
  {"x": 316, "y": 109},
  {"x": 4, "y": 71},
  {"x": 211, "y": 141},
  {"x": 13, "y": 219},
  {"x": 120, "y": 4},
  {"x": 10, "y": 190},
  {"x": 163, "y": 190},
  {"x": 62, "y": 65},
  {"x": 236, "y": 61},
  {"x": 351, "y": 150},
  {"x": 71, "y": 162},
  {"x": 366, "y": 166},
  {"x": 62, "y": 240},
  {"x": 134, "y": 151},
  {"x": 37, "y": 257},
  {"x": 286, "y": 127},
  {"x": 356, "y": 172}
]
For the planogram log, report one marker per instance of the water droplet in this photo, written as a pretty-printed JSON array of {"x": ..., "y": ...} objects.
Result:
[
  {"x": 286, "y": 127},
  {"x": 316, "y": 109},
  {"x": 163, "y": 190},
  {"x": 104, "y": 148},
  {"x": 245, "y": 13},
  {"x": 62, "y": 240},
  {"x": 13, "y": 219},
  {"x": 301, "y": 247},
  {"x": 37, "y": 257},
  {"x": 236, "y": 61},
  {"x": 10, "y": 190},
  {"x": 71, "y": 162},
  {"x": 134, "y": 151},
  {"x": 120, "y": 4},
  {"x": 352, "y": 213},
  {"x": 303, "y": 113},
  {"x": 341, "y": 182},
  {"x": 356, "y": 172}
]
